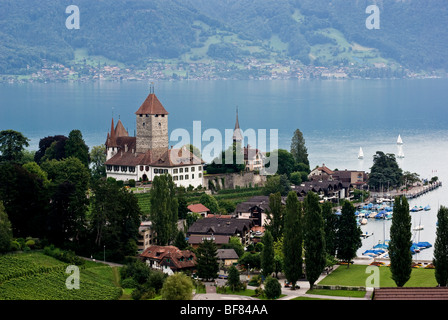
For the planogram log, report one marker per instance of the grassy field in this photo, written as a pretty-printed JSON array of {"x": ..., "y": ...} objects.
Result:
[
  {"x": 356, "y": 276},
  {"x": 35, "y": 276}
]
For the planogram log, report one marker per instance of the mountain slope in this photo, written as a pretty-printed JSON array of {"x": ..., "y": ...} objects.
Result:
[{"x": 134, "y": 32}]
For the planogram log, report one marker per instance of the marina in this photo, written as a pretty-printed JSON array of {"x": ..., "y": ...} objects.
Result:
[{"x": 376, "y": 232}]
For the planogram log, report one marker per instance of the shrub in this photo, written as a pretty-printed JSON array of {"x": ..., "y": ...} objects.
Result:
[
  {"x": 15, "y": 246},
  {"x": 128, "y": 283},
  {"x": 30, "y": 244},
  {"x": 272, "y": 288}
]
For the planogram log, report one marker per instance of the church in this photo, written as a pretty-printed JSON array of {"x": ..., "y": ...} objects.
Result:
[{"x": 148, "y": 154}]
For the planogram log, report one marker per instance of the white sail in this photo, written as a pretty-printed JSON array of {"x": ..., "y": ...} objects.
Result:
[
  {"x": 360, "y": 154},
  {"x": 399, "y": 140}
]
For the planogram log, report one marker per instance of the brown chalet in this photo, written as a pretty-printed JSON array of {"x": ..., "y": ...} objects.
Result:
[{"x": 169, "y": 259}]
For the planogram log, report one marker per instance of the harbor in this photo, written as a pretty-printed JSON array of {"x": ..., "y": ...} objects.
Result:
[{"x": 375, "y": 218}]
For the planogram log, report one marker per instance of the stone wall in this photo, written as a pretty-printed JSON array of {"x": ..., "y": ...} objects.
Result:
[{"x": 232, "y": 180}]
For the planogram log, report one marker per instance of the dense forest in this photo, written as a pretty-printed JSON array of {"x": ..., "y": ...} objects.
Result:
[{"x": 412, "y": 33}]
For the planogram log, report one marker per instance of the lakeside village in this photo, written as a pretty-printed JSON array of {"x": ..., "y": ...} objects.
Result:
[
  {"x": 251, "y": 69},
  {"x": 219, "y": 224},
  {"x": 147, "y": 155}
]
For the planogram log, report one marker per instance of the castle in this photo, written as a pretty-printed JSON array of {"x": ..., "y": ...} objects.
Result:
[{"x": 147, "y": 155}]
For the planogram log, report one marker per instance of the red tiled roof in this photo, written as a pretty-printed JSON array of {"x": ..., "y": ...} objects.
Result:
[
  {"x": 120, "y": 131},
  {"x": 179, "y": 258},
  {"x": 151, "y": 105},
  {"x": 411, "y": 293},
  {"x": 198, "y": 207},
  {"x": 325, "y": 169}
]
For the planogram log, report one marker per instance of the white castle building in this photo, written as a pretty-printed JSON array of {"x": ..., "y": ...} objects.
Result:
[{"x": 147, "y": 154}]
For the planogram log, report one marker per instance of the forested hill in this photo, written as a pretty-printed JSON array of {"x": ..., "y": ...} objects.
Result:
[{"x": 412, "y": 33}]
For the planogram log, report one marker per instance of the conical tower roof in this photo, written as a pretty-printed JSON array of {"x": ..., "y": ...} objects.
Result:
[
  {"x": 120, "y": 131},
  {"x": 151, "y": 105}
]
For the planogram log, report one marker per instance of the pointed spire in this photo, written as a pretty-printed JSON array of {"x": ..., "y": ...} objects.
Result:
[
  {"x": 112, "y": 141},
  {"x": 237, "y": 136}
]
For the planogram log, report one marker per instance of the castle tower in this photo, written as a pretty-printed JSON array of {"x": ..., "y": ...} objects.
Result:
[{"x": 152, "y": 125}]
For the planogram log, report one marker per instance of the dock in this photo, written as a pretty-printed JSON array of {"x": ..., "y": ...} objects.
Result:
[{"x": 414, "y": 192}]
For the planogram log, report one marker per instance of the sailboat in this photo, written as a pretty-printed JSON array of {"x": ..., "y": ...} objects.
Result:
[
  {"x": 360, "y": 154},
  {"x": 399, "y": 140}
]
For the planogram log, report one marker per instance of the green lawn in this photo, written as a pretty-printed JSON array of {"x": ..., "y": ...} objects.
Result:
[
  {"x": 356, "y": 276},
  {"x": 338, "y": 293}
]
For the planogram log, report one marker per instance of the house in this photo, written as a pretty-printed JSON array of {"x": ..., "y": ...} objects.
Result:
[
  {"x": 169, "y": 259},
  {"x": 146, "y": 236},
  {"x": 321, "y": 174},
  {"x": 253, "y": 159},
  {"x": 356, "y": 178},
  {"x": 195, "y": 240},
  {"x": 200, "y": 209},
  {"x": 328, "y": 190},
  {"x": 222, "y": 226},
  {"x": 255, "y": 208},
  {"x": 143, "y": 157},
  {"x": 227, "y": 257}
]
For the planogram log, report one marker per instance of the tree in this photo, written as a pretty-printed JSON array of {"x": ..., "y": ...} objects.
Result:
[
  {"x": 314, "y": 238},
  {"x": 210, "y": 202},
  {"x": 331, "y": 221},
  {"x": 12, "y": 144},
  {"x": 267, "y": 254},
  {"x": 400, "y": 242},
  {"x": 5, "y": 230},
  {"x": 275, "y": 216},
  {"x": 348, "y": 234},
  {"x": 277, "y": 183},
  {"x": 50, "y": 148},
  {"x": 76, "y": 147},
  {"x": 70, "y": 180},
  {"x": 177, "y": 287},
  {"x": 182, "y": 209},
  {"x": 296, "y": 178},
  {"x": 235, "y": 244},
  {"x": 98, "y": 158},
  {"x": 272, "y": 288},
  {"x": 286, "y": 162},
  {"x": 440, "y": 260},
  {"x": 164, "y": 209},
  {"x": 180, "y": 241},
  {"x": 207, "y": 260},
  {"x": 292, "y": 241},
  {"x": 34, "y": 168},
  {"x": 233, "y": 280},
  {"x": 115, "y": 219},
  {"x": 25, "y": 200},
  {"x": 298, "y": 148},
  {"x": 384, "y": 172}
]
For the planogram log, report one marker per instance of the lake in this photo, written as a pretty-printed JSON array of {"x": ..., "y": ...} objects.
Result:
[{"x": 336, "y": 117}]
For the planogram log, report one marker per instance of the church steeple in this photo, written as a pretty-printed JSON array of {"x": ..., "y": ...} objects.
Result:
[{"x": 237, "y": 136}]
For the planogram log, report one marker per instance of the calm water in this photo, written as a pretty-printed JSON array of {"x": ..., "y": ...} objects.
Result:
[{"x": 336, "y": 118}]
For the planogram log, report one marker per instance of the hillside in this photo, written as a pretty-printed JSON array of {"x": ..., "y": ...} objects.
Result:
[
  {"x": 35, "y": 276},
  {"x": 136, "y": 34}
]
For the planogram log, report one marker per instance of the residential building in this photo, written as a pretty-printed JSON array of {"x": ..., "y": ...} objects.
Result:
[
  {"x": 169, "y": 259},
  {"x": 199, "y": 208},
  {"x": 227, "y": 258},
  {"x": 222, "y": 226}
]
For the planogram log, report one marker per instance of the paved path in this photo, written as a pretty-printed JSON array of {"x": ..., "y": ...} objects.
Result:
[{"x": 289, "y": 294}]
